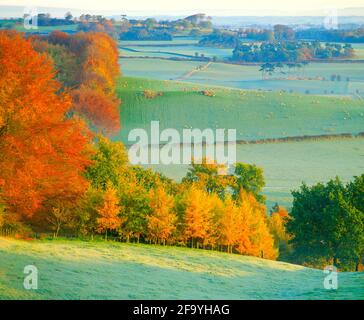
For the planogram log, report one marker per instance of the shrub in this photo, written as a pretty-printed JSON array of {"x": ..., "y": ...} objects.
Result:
[
  {"x": 151, "y": 94},
  {"x": 208, "y": 93}
]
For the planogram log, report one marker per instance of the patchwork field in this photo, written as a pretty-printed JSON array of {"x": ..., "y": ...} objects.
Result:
[
  {"x": 98, "y": 270},
  {"x": 177, "y": 51},
  {"x": 256, "y": 115},
  {"x": 313, "y": 79},
  {"x": 46, "y": 29},
  {"x": 286, "y": 165},
  {"x": 156, "y": 68}
]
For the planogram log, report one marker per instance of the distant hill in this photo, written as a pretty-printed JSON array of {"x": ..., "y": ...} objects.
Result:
[
  {"x": 240, "y": 21},
  {"x": 346, "y": 16}
]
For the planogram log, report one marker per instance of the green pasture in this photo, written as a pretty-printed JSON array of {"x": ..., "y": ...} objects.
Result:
[
  {"x": 316, "y": 78},
  {"x": 99, "y": 270}
]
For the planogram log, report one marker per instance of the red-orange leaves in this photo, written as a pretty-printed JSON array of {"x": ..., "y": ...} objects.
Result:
[
  {"x": 99, "y": 108},
  {"x": 42, "y": 153}
]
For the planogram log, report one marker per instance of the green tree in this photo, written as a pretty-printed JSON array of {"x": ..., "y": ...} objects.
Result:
[
  {"x": 249, "y": 178},
  {"x": 109, "y": 164},
  {"x": 326, "y": 226},
  {"x": 356, "y": 236},
  {"x": 209, "y": 176}
]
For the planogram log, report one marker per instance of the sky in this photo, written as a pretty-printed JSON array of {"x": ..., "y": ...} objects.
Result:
[{"x": 210, "y": 7}]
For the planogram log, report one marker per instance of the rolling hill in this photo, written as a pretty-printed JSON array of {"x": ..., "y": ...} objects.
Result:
[{"x": 98, "y": 270}]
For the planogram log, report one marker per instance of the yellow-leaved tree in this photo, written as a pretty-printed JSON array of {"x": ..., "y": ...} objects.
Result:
[
  {"x": 231, "y": 225},
  {"x": 198, "y": 220},
  {"x": 162, "y": 220},
  {"x": 257, "y": 240}
]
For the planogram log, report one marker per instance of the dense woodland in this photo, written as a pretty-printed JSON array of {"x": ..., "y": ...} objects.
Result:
[{"x": 60, "y": 174}]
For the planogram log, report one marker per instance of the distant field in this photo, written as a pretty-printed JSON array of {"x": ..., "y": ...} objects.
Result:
[
  {"x": 157, "y": 69},
  {"x": 65, "y": 28},
  {"x": 287, "y": 164},
  {"x": 359, "y": 50},
  {"x": 313, "y": 79},
  {"x": 255, "y": 115},
  {"x": 188, "y": 50},
  {"x": 94, "y": 270},
  {"x": 175, "y": 41}
]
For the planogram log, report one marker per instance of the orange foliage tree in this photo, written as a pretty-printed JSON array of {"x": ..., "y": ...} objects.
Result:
[
  {"x": 88, "y": 64},
  {"x": 43, "y": 154},
  {"x": 198, "y": 217},
  {"x": 257, "y": 239},
  {"x": 109, "y": 212},
  {"x": 231, "y": 225},
  {"x": 99, "y": 69},
  {"x": 162, "y": 220}
]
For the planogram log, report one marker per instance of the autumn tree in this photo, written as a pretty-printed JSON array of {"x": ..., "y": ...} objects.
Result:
[
  {"x": 43, "y": 154},
  {"x": 95, "y": 97},
  {"x": 109, "y": 219},
  {"x": 87, "y": 64},
  {"x": 161, "y": 221},
  {"x": 257, "y": 240},
  {"x": 197, "y": 216},
  {"x": 232, "y": 227}
]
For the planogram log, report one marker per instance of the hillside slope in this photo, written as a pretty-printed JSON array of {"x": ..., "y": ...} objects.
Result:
[
  {"x": 94, "y": 270},
  {"x": 256, "y": 115}
]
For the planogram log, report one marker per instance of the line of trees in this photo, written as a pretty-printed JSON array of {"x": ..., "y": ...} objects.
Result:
[
  {"x": 290, "y": 51},
  {"x": 220, "y": 39},
  {"x": 286, "y": 33}
]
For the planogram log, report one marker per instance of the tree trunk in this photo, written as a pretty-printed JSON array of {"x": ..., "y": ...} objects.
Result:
[
  {"x": 335, "y": 261},
  {"x": 106, "y": 235},
  {"x": 57, "y": 231}
]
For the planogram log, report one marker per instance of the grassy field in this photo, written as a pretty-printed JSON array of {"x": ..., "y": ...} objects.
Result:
[
  {"x": 94, "y": 270},
  {"x": 174, "y": 42},
  {"x": 188, "y": 50},
  {"x": 43, "y": 29},
  {"x": 313, "y": 79},
  {"x": 255, "y": 115},
  {"x": 286, "y": 165},
  {"x": 156, "y": 68}
]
